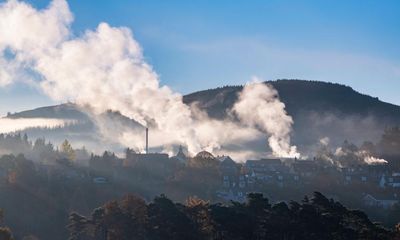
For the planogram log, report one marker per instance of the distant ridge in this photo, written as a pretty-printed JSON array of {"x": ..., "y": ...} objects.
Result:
[
  {"x": 300, "y": 96},
  {"x": 319, "y": 109},
  {"x": 62, "y": 111}
]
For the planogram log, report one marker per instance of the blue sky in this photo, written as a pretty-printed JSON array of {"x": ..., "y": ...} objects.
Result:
[{"x": 195, "y": 45}]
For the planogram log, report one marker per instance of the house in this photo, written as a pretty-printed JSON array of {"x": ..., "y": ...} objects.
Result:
[
  {"x": 390, "y": 181},
  {"x": 377, "y": 170},
  {"x": 229, "y": 170},
  {"x": 264, "y": 169},
  {"x": 264, "y": 165},
  {"x": 271, "y": 171},
  {"x": 352, "y": 177},
  {"x": 3, "y": 175},
  {"x": 242, "y": 181},
  {"x": 232, "y": 195},
  {"x": 227, "y": 166},
  {"x": 385, "y": 201},
  {"x": 180, "y": 156},
  {"x": 304, "y": 168},
  {"x": 136, "y": 158}
]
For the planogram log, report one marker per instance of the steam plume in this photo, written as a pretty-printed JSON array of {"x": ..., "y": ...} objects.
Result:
[
  {"x": 259, "y": 106},
  {"x": 346, "y": 155},
  {"x": 105, "y": 69}
]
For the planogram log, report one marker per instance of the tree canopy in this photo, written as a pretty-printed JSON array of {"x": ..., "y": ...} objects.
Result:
[{"x": 315, "y": 218}]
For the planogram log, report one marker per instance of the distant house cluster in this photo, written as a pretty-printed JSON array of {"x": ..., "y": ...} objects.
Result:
[
  {"x": 380, "y": 184},
  {"x": 238, "y": 179}
]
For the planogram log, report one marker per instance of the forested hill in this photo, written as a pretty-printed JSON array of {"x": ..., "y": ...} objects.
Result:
[
  {"x": 298, "y": 95},
  {"x": 319, "y": 110},
  {"x": 302, "y": 96},
  {"x": 63, "y": 111}
]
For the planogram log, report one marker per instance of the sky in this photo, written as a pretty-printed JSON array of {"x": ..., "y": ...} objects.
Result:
[{"x": 196, "y": 45}]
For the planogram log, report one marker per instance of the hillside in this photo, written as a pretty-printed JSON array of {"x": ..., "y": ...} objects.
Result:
[
  {"x": 318, "y": 109},
  {"x": 63, "y": 111},
  {"x": 301, "y": 96}
]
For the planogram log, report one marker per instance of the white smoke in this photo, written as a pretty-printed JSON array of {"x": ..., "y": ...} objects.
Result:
[
  {"x": 9, "y": 125},
  {"x": 361, "y": 155},
  {"x": 259, "y": 106},
  {"x": 373, "y": 160},
  {"x": 29, "y": 34},
  {"x": 324, "y": 153},
  {"x": 105, "y": 69},
  {"x": 346, "y": 155},
  {"x": 324, "y": 141}
]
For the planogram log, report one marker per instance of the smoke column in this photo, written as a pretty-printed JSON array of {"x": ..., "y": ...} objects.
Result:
[
  {"x": 105, "y": 69},
  {"x": 259, "y": 106},
  {"x": 345, "y": 156}
]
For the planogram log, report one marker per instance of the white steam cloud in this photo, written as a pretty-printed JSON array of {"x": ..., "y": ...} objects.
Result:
[
  {"x": 9, "y": 125},
  {"x": 374, "y": 160},
  {"x": 259, "y": 106},
  {"x": 105, "y": 69},
  {"x": 346, "y": 155},
  {"x": 362, "y": 155}
]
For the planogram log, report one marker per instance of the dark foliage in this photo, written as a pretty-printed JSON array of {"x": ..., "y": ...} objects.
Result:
[{"x": 317, "y": 218}]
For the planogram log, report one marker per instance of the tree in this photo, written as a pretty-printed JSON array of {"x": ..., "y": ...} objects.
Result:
[
  {"x": 5, "y": 234},
  {"x": 67, "y": 151},
  {"x": 135, "y": 209},
  {"x": 77, "y": 226},
  {"x": 1, "y": 215},
  {"x": 318, "y": 218},
  {"x": 30, "y": 237},
  {"x": 198, "y": 211},
  {"x": 167, "y": 221}
]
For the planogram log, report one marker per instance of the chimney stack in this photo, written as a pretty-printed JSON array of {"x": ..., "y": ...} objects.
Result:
[{"x": 147, "y": 140}]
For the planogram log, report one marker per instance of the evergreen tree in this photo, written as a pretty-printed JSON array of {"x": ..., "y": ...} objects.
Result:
[{"x": 67, "y": 151}]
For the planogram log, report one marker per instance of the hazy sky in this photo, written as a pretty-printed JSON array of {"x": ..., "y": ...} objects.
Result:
[{"x": 195, "y": 45}]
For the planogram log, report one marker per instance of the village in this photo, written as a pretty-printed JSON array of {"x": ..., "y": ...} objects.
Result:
[{"x": 380, "y": 182}]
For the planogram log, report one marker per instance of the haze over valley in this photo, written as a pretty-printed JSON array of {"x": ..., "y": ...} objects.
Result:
[{"x": 207, "y": 121}]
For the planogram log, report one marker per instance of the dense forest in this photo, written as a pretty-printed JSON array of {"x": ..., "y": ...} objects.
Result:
[
  {"x": 134, "y": 218},
  {"x": 314, "y": 218}
]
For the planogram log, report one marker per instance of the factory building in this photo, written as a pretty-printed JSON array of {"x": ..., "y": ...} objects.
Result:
[{"x": 147, "y": 157}]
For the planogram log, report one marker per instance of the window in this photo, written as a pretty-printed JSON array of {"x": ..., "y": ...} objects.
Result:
[{"x": 364, "y": 179}]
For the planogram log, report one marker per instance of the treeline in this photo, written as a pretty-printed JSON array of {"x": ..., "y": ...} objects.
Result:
[
  {"x": 315, "y": 218},
  {"x": 37, "y": 198},
  {"x": 39, "y": 149}
]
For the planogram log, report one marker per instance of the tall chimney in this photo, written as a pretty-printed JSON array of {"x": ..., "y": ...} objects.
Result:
[{"x": 147, "y": 140}]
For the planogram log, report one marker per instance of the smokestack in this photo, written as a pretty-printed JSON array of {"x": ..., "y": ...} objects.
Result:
[{"x": 147, "y": 140}]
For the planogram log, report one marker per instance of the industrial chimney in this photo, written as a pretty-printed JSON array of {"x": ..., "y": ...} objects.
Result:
[{"x": 147, "y": 140}]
